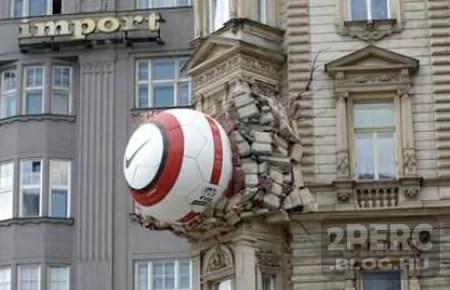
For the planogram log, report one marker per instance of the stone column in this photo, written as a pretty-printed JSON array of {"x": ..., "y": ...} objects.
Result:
[{"x": 343, "y": 162}]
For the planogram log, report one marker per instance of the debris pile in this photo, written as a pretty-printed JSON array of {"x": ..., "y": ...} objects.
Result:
[{"x": 268, "y": 179}]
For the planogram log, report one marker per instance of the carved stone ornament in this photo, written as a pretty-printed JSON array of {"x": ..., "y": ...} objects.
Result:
[
  {"x": 370, "y": 31},
  {"x": 268, "y": 258},
  {"x": 343, "y": 166},
  {"x": 410, "y": 162},
  {"x": 411, "y": 186},
  {"x": 218, "y": 262}
]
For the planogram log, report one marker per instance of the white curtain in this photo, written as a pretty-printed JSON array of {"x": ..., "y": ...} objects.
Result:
[{"x": 221, "y": 13}]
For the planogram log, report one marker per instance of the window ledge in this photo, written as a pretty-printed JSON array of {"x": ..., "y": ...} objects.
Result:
[
  {"x": 370, "y": 30},
  {"x": 138, "y": 111},
  {"x": 38, "y": 117},
  {"x": 37, "y": 220},
  {"x": 370, "y": 22}
]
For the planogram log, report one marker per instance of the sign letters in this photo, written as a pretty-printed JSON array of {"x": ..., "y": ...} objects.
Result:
[{"x": 80, "y": 28}]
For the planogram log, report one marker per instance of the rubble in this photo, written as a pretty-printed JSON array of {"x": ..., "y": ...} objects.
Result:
[{"x": 268, "y": 157}]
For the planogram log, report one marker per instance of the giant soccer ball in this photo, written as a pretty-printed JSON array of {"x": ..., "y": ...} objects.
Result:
[{"x": 177, "y": 164}]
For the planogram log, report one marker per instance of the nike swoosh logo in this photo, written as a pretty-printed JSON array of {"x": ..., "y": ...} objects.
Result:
[{"x": 129, "y": 160}]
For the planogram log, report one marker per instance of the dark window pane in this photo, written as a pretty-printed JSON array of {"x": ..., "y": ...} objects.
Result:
[
  {"x": 183, "y": 94},
  {"x": 59, "y": 203},
  {"x": 57, "y": 6},
  {"x": 163, "y": 95},
  {"x": 143, "y": 96},
  {"x": 382, "y": 280},
  {"x": 34, "y": 102},
  {"x": 30, "y": 202},
  {"x": 37, "y": 7},
  {"x": 163, "y": 69},
  {"x": 60, "y": 102},
  {"x": 380, "y": 9},
  {"x": 18, "y": 8},
  {"x": 359, "y": 9}
]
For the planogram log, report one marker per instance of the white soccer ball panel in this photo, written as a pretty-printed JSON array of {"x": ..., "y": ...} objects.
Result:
[
  {"x": 205, "y": 161},
  {"x": 184, "y": 117},
  {"x": 195, "y": 141},
  {"x": 143, "y": 156},
  {"x": 189, "y": 179}
]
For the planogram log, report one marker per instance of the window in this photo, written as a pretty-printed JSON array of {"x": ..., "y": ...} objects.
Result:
[
  {"x": 24, "y": 8},
  {"x": 143, "y": 4},
  {"x": 375, "y": 144},
  {"x": 29, "y": 277},
  {"x": 268, "y": 282},
  {"x": 8, "y": 94},
  {"x": 386, "y": 280},
  {"x": 224, "y": 285},
  {"x": 61, "y": 89},
  {"x": 59, "y": 188},
  {"x": 34, "y": 90},
  {"x": 59, "y": 278},
  {"x": 219, "y": 13},
  {"x": 30, "y": 188},
  {"x": 162, "y": 84},
  {"x": 5, "y": 278},
  {"x": 6, "y": 190},
  {"x": 163, "y": 275},
  {"x": 370, "y": 9}
]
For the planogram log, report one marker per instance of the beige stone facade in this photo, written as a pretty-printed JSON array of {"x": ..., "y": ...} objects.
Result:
[{"x": 311, "y": 54}]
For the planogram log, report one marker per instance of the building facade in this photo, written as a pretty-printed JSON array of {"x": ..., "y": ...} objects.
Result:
[
  {"x": 76, "y": 76},
  {"x": 368, "y": 81}
]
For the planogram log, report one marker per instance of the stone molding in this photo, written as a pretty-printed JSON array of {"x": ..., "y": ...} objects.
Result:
[
  {"x": 39, "y": 117},
  {"x": 37, "y": 220},
  {"x": 218, "y": 263}
]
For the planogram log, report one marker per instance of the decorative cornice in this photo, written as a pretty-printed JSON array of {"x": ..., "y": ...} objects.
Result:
[{"x": 37, "y": 220}]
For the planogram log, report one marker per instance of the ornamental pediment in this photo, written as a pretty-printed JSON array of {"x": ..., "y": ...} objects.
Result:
[
  {"x": 210, "y": 49},
  {"x": 372, "y": 58}
]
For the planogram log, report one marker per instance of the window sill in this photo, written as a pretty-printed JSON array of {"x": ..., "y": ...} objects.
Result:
[
  {"x": 370, "y": 30},
  {"x": 37, "y": 220},
  {"x": 370, "y": 22},
  {"x": 38, "y": 117},
  {"x": 139, "y": 111}
]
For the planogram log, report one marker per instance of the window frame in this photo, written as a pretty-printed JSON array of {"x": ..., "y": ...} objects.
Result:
[
  {"x": 25, "y": 89},
  {"x": 69, "y": 188},
  {"x": 21, "y": 187},
  {"x": 5, "y": 163},
  {"x": 150, "y": 277},
  {"x": 375, "y": 131},
  {"x": 9, "y": 269},
  {"x": 49, "y": 273},
  {"x": 369, "y": 16},
  {"x": 150, "y": 82},
  {"x": 15, "y": 91},
  {"x": 19, "y": 272},
  {"x": 381, "y": 97},
  {"x": 69, "y": 89},
  {"x": 26, "y": 10}
]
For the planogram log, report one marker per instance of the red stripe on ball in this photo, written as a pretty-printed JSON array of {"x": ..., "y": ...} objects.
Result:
[{"x": 218, "y": 152}]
